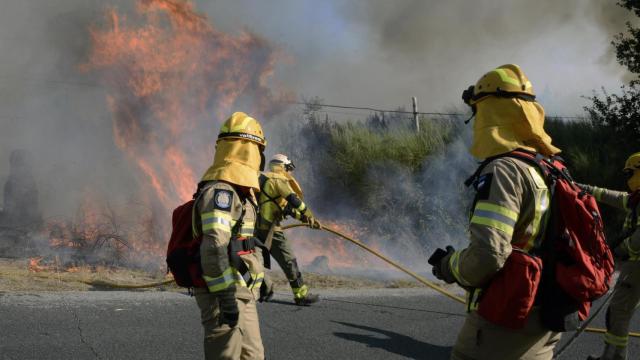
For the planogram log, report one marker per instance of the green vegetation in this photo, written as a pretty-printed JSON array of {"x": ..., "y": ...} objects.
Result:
[
  {"x": 355, "y": 147},
  {"x": 385, "y": 175}
]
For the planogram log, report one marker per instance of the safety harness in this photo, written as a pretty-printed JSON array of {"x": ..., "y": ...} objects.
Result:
[{"x": 263, "y": 182}]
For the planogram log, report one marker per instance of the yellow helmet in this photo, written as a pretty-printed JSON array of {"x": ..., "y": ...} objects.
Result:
[
  {"x": 507, "y": 115},
  {"x": 244, "y": 127},
  {"x": 633, "y": 162},
  {"x": 506, "y": 81},
  {"x": 632, "y": 171},
  {"x": 239, "y": 155}
]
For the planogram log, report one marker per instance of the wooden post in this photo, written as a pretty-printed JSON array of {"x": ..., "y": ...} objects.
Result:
[{"x": 415, "y": 113}]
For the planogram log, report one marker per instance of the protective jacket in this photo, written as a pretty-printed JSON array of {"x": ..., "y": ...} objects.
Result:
[
  {"x": 511, "y": 203},
  {"x": 278, "y": 198},
  {"x": 220, "y": 208}
]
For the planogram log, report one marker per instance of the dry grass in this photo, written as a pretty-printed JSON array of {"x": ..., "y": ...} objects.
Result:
[
  {"x": 341, "y": 282},
  {"x": 15, "y": 276}
]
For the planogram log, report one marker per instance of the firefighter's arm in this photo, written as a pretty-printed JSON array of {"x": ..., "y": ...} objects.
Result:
[
  {"x": 617, "y": 199},
  {"x": 299, "y": 209},
  {"x": 217, "y": 209},
  {"x": 500, "y": 192}
]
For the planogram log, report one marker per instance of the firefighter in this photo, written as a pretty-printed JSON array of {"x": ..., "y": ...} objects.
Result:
[
  {"x": 281, "y": 195},
  {"x": 626, "y": 295},
  {"x": 226, "y": 211},
  {"x": 511, "y": 200}
]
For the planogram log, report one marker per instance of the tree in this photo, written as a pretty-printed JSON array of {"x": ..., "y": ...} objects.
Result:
[
  {"x": 619, "y": 114},
  {"x": 615, "y": 121}
]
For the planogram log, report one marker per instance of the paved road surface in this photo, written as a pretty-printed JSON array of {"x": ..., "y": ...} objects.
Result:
[{"x": 371, "y": 324}]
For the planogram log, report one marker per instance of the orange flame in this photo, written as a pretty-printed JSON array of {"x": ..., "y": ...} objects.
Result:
[
  {"x": 34, "y": 264},
  {"x": 340, "y": 253},
  {"x": 169, "y": 72}
]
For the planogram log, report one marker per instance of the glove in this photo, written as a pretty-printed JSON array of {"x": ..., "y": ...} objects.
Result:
[
  {"x": 230, "y": 319},
  {"x": 440, "y": 262},
  {"x": 308, "y": 217},
  {"x": 289, "y": 211},
  {"x": 229, "y": 313},
  {"x": 314, "y": 223}
]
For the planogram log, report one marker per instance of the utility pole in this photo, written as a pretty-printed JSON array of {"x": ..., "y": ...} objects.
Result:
[{"x": 415, "y": 113}]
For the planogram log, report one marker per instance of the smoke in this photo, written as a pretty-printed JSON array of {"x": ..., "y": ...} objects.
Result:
[
  {"x": 120, "y": 104},
  {"x": 382, "y": 53},
  {"x": 50, "y": 109},
  {"x": 55, "y": 86}
]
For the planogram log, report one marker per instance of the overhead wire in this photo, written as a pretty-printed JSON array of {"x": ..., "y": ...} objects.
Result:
[{"x": 407, "y": 112}]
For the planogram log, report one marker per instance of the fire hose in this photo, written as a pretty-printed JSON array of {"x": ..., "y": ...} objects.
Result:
[
  {"x": 422, "y": 280},
  {"x": 431, "y": 284},
  {"x": 113, "y": 285}
]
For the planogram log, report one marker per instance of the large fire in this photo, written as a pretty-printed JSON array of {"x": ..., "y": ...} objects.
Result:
[{"x": 171, "y": 78}]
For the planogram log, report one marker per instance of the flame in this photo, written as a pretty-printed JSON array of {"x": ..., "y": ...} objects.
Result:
[
  {"x": 34, "y": 264},
  {"x": 340, "y": 252},
  {"x": 166, "y": 80},
  {"x": 170, "y": 76}
]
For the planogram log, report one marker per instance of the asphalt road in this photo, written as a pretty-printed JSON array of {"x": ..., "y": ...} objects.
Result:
[{"x": 369, "y": 324}]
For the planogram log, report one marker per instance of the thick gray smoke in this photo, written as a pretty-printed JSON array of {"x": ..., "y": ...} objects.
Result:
[
  {"x": 383, "y": 52},
  {"x": 48, "y": 108},
  {"x": 377, "y": 53}
]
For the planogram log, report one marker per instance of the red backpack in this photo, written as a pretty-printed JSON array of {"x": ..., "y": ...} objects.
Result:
[
  {"x": 577, "y": 264},
  {"x": 183, "y": 251}
]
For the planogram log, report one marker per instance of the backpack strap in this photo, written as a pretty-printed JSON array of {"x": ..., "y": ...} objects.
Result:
[
  {"x": 263, "y": 183},
  {"x": 202, "y": 186},
  {"x": 549, "y": 172}
]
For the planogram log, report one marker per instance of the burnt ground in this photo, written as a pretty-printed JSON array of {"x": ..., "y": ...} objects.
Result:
[{"x": 348, "y": 324}]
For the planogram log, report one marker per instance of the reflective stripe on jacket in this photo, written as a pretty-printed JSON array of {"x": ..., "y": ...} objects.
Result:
[
  {"x": 511, "y": 202},
  {"x": 220, "y": 208}
]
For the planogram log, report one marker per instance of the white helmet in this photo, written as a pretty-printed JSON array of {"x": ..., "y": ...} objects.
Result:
[{"x": 284, "y": 160}]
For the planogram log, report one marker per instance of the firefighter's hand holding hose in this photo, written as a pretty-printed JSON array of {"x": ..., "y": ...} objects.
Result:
[{"x": 310, "y": 219}]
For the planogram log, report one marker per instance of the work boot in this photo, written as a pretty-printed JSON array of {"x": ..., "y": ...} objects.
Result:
[
  {"x": 301, "y": 294},
  {"x": 611, "y": 353},
  {"x": 307, "y": 299}
]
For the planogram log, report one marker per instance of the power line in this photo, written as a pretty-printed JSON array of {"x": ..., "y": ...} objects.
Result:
[
  {"x": 96, "y": 85},
  {"x": 377, "y": 110},
  {"x": 411, "y": 112}
]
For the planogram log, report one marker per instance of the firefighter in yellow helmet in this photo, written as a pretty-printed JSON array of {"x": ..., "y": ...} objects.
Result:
[
  {"x": 626, "y": 249},
  {"x": 511, "y": 201},
  {"x": 232, "y": 265},
  {"x": 281, "y": 195}
]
